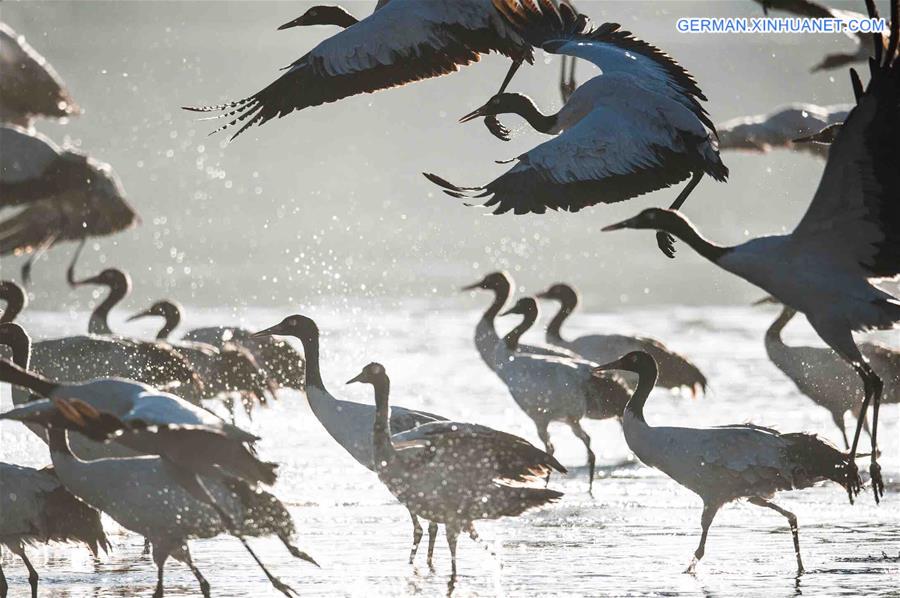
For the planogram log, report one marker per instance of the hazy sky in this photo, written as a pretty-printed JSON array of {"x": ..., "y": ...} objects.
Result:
[{"x": 331, "y": 200}]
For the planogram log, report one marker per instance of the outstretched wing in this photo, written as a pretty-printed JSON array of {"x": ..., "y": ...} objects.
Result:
[
  {"x": 612, "y": 154},
  {"x": 92, "y": 205},
  {"x": 559, "y": 30},
  {"x": 401, "y": 42},
  {"x": 854, "y": 217}
]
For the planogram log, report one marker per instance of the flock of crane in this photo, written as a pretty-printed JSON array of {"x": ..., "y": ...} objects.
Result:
[{"x": 127, "y": 421}]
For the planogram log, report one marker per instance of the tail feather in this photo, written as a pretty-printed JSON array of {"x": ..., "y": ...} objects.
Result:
[{"x": 815, "y": 460}]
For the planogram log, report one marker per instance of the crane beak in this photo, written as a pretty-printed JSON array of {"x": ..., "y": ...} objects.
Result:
[
  {"x": 270, "y": 331},
  {"x": 509, "y": 311},
  {"x": 40, "y": 412},
  {"x": 471, "y": 287},
  {"x": 298, "y": 22},
  {"x": 770, "y": 300},
  {"x": 143, "y": 314},
  {"x": 474, "y": 114},
  {"x": 826, "y": 136},
  {"x": 617, "y": 226},
  {"x": 612, "y": 365},
  {"x": 358, "y": 378},
  {"x": 544, "y": 295}
]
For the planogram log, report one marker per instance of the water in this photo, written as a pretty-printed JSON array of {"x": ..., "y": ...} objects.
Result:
[{"x": 634, "y": 538}]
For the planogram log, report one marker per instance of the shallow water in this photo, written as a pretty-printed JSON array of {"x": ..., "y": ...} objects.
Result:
[{"x": 633, "y": 538}]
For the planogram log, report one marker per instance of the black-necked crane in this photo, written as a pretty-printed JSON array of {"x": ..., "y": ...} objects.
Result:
[
  {"x": 821, "y": 374},
  {"x": 349, "y": 423},
  {"x": 338, "y": 16},
  {"x": 637, "y": 127},
  {"x": 402, "y": 41},
  {"x": 675, "y": 370},
  {"x": 226, "y": 370},
  {"x": 211, "y": 462},
  {"x": 222, "y": 370},
  {"x": 282, "y": 364},
  {"x": 815, "y": 10},
  {"x": 36, "y": 508},
  {"x": 486, "y": 337},
  {"x": 848, "y": 239},
  {"x": 555, "y": 389},
  {"x": 64, "y": 196},
  {"x": 29, "y": 85},
  {"x": 727, "y": 463},
  {"x": 85, "y": 357},
  {"x": 794, "y": 127},
  {"x": 455, "y": 473}
]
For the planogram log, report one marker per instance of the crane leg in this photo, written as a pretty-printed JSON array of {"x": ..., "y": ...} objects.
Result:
[
  {"x": 296, "y": 552},
  {"x": 567, "y": 85},
  {"x": 160, "y": 556},
  {"x": 592, "y": 460},
  {"x": 492, "y": 122},
  {"x": 664, "y": 240},
  {"x": 872, "y": 386},
  {"x": 452, "y": 530},
  {"x": 4, "y": 587},
  {"x": 544, "y": 435},
  {"x": 417, "y": 537},
  {"x": 792, "y": 521},
  {"x": 838, "y": 418},
  {"x": 146, "y": 549},
  {"x": 199, "y": 487},
  {"x": 183, "y": 554},
  {"x": 32, "y": 573},
  {"x": 709, "y": 513},
  {"x": 432, "y": 538},
  {"x": 477, "y": 539}
]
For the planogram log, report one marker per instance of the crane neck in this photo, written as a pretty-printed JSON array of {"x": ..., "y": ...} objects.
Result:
[
  {"x": 19, "y": 343},
  {"x": 773, "y": 333},
  {"x": 17, "y": 375},
  {"x": 311, "y": 353},
  {"x": 647, "y": 372},
  {"x": 677, "y": 225},
  {"x": 554, "y": 329},
  {"x": 172, "y": 315},
  {"x": 486, "y": 324},
  {"x": 381, "y": 428},
  {"x": 58, "y": 439},
  {"x": 15, "y": 298},
  {"x": 516, "y": 103},
  {"x": 99, "y": 322},
  {"x": 513, "y": 336}
]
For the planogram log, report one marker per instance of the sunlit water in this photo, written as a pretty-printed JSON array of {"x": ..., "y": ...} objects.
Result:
[{"x": 633, "y": 538}]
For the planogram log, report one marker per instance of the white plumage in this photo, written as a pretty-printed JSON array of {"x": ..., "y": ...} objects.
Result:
[
  {"x": 637, "y": 127},
  {"x": 348, "y": 422},
  {"x": 727, "y": 463},
  {"x": 553, "y": 388}
]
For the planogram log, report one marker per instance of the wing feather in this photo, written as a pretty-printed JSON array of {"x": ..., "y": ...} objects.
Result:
[{"x": 854, "y": 217}]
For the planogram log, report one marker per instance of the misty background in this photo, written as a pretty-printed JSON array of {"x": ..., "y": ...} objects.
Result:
[{"x": 331, "y": 202}]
